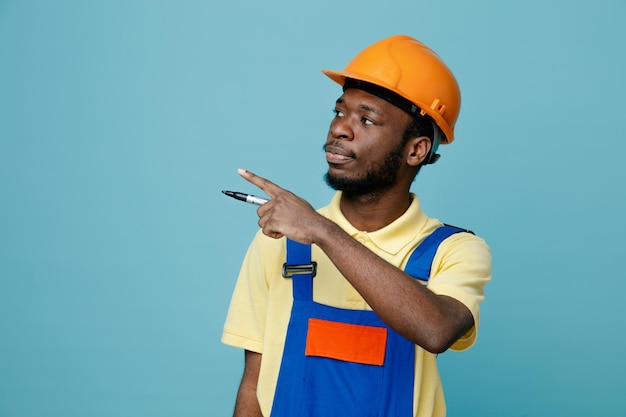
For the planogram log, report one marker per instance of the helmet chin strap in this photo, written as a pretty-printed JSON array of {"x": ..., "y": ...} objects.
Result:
[{"x": 433, "y": 156}]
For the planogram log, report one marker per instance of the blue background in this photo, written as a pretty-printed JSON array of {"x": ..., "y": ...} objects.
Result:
[{"x": 121, "y": 121}]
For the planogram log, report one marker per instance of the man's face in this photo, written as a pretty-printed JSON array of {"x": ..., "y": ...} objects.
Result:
[{"x": 364, "y": 147}]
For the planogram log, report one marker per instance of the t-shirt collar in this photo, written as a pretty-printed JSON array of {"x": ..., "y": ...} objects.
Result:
[{"x": 391, "y": 238}]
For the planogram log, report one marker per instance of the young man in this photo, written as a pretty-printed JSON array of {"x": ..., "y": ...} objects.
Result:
[{"x": 342, "y": 311}]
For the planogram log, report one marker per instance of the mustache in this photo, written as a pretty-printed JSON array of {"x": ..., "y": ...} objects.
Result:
[{"x": 336, "y": 147}]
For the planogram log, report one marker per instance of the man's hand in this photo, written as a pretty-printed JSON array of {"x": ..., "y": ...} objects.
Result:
[{"x": 285, "y": 214}]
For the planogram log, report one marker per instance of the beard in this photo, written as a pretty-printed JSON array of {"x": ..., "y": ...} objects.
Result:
[{"x": 378, "y": 176}]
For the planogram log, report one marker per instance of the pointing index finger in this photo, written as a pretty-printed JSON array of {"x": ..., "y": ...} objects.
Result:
[{"x": 264, "y": 184}]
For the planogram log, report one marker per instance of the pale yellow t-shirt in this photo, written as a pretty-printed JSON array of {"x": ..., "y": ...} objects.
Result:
[{"x": 261, "y": 303}]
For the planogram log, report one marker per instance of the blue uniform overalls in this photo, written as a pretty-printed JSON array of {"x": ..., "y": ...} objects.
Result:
[{"x": 341, "y": 362}]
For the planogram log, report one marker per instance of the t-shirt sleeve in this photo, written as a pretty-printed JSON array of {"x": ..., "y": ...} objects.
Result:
[
  {"x": 461, "y": 268},
  {"x": 245, "y": 322}
]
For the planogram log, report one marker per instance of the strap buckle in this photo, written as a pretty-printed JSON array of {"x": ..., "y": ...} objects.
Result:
[{"x": 291, "y": 270}]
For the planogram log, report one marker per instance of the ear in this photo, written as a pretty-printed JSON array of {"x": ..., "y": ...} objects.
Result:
[{"x": 418, "y": 149}]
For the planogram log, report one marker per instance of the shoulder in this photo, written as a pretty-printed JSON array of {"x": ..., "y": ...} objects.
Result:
[{"x": 465, "y": 246}]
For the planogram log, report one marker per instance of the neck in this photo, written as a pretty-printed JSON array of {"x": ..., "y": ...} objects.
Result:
[{"x": 371, "y": 212}]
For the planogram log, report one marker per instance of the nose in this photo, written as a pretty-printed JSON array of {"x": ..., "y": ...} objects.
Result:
[{"x": 340, "y": 129}]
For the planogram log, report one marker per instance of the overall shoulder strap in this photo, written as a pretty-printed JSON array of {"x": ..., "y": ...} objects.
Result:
[
  {"x": 421, "y": 260},
  {"x": 300, "y": 269}
]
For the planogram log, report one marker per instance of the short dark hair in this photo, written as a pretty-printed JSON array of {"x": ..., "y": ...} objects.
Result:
[{"x": 419, "y": 126}]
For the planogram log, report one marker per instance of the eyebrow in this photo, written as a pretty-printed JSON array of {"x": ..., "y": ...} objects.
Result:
[{"x": 365, "y": 107}]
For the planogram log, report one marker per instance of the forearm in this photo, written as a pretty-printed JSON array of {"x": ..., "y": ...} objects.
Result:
[
  {"x": 247, "y": 404},
  {"x": 429, "y": 320}
]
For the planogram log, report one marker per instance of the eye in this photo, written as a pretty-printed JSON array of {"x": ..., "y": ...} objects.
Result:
[
  {"x": 338, "y": 113},
  {"x": 366, "y": 121}
]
